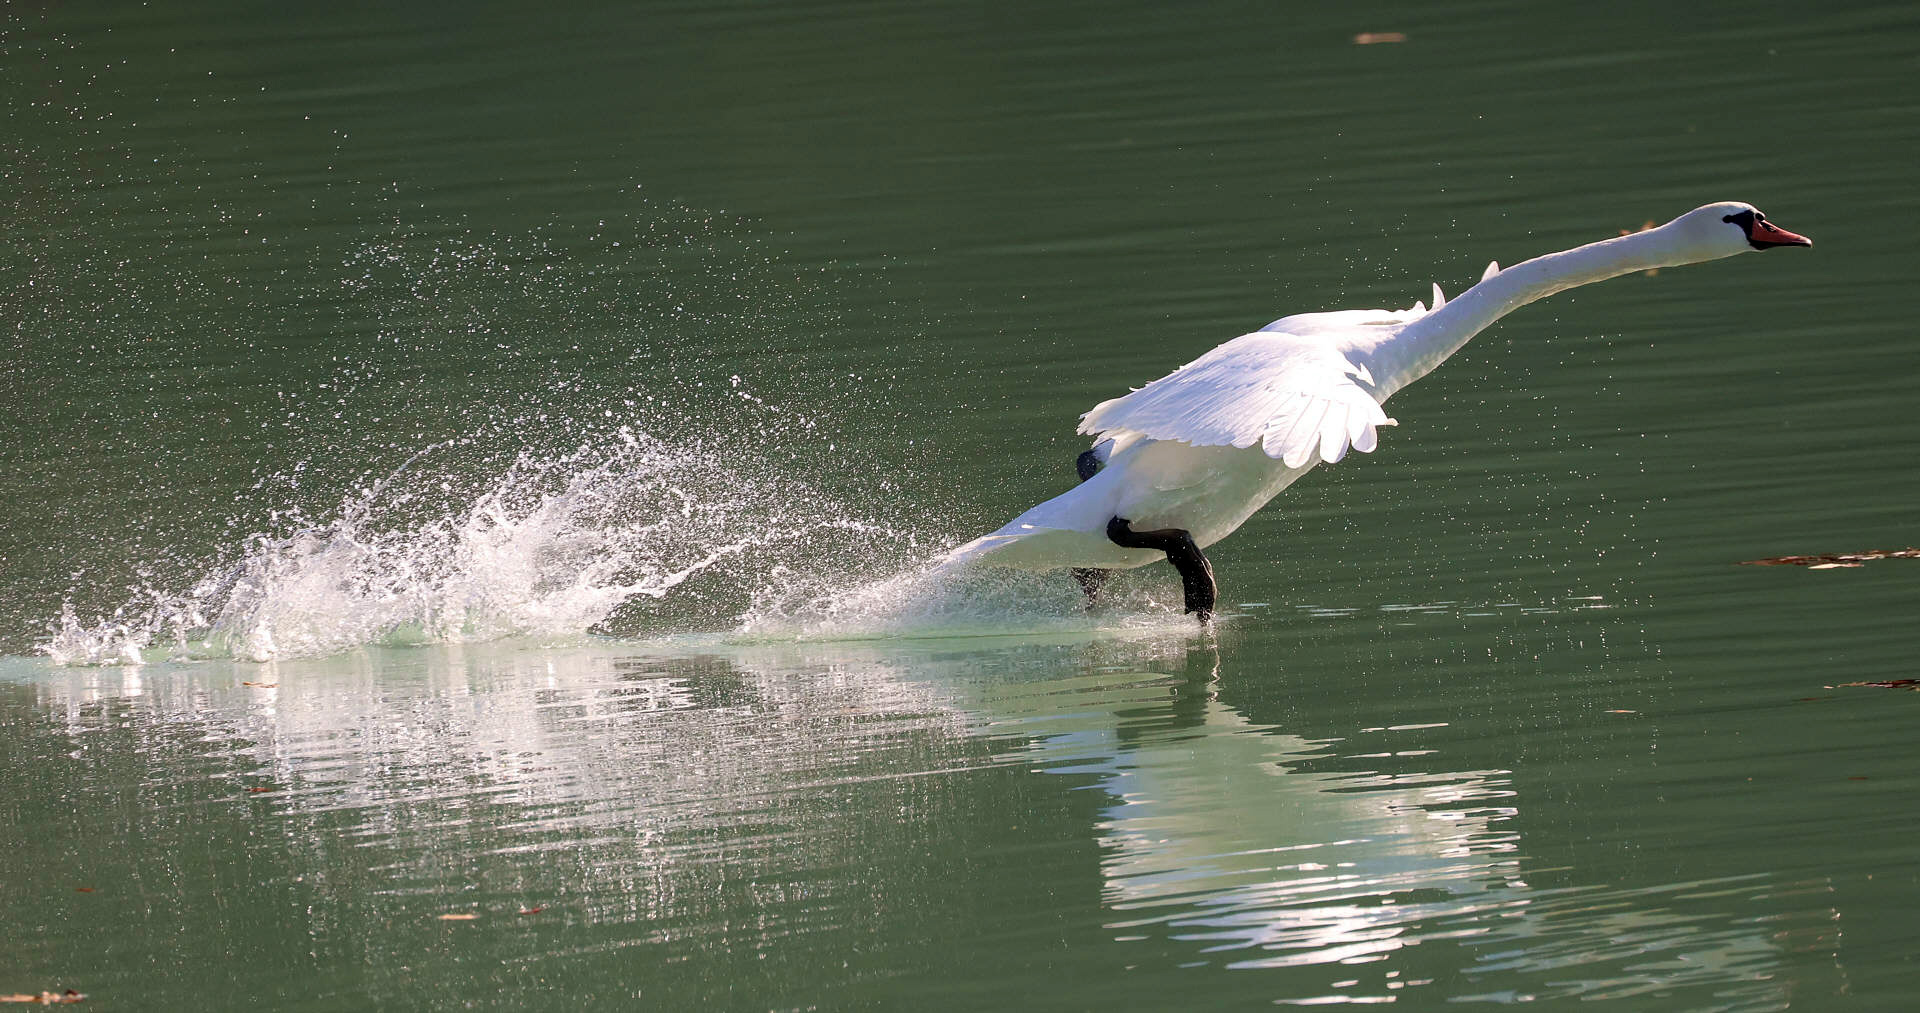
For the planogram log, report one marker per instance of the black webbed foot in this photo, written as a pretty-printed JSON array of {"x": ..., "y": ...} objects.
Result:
[
  {"x": 1088, "y": 464},
  {"x": 1092, "y": 582}
]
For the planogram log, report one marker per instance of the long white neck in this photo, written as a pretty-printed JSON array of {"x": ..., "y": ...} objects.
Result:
[{"x": 1418, "y": 347}]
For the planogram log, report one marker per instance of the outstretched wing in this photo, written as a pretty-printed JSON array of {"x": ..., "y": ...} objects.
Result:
[{"x": 1297, "y": 396}]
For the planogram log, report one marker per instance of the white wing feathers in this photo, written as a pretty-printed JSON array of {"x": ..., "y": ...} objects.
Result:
[{"x": 1296, "y": 396}]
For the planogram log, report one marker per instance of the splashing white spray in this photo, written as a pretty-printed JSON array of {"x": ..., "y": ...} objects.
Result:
[
  {"x": 609, "y": 536},
  {"x": 552, "y": 547}
]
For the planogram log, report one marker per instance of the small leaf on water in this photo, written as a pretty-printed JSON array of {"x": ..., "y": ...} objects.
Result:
[
  {"x": 261, "y": 685},
  {"x": 258, "y": 788},
  {"x": 1913, "y": 684},
  {"x": 1622, "y": 712},
  {"x": 1376, "y": 38},
  {"x": 83, "y": 889},
  {"x": 531, "y": 910},
  {"x": 44, "y": 998},
  {"x": 463, "y": 916},
  {"x": 1834, "y": 560}
]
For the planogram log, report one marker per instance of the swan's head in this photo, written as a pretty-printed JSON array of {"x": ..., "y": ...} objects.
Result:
[{"x": 1722, "y": 230}]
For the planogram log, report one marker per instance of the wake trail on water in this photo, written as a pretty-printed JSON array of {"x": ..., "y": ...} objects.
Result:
[{"x": 625, "y": 535}]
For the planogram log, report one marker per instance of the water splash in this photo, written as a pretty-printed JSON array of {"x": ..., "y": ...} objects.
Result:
[
  {"x": 552, "y": 545},
  {"x": 624, "y": 534}
]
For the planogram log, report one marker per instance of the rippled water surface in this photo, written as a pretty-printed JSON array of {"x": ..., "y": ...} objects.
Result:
[{"x": 468, "y": 477}]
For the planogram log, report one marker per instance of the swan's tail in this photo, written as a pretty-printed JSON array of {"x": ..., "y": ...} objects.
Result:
[
  {"x": 974, "y": 552},
  {"x": 1068, "y": 530},
  {"x": 1026, "y": 546}
]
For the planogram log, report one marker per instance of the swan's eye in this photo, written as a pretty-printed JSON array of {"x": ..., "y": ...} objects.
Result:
[{"x": 1728, "y": 218}]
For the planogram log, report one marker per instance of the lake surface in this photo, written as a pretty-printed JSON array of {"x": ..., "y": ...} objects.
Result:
[{"x": 467, "y": 470}]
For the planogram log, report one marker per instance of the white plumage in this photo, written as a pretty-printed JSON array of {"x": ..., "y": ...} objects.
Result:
[
  {"x": 1294, "y": 395},
  {"x": 1203, "y": 447}
]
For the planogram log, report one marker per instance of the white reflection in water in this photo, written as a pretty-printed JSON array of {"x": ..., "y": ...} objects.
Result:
[
  {"x": 575, "y": 740},
  {"x": 1226, "y": 836},
  {"x": 1360, "y": 863},
  {"x": 1243, "y": 839}
]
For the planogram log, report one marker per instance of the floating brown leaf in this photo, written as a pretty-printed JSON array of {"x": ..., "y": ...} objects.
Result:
[
  {"x": 1834, "y": 560},
  {"x": 460, "y": 916},
  {"x": 258, "y": 788},
  {"x": 83, "y": 889},
  {"x": 531, "y": 910},
  {"x": 261, "y": 685},
  {"x": 1375, "y": 38},
  {"x": 44, "y": 998},
  {"x": 1913, "y": 684}
]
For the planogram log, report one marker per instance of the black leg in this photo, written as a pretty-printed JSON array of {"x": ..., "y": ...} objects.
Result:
[
  {"x": 1196, "y": 574},
  {"x": 1087, "y": 465},
  {"x": 1091, "y": 582}
]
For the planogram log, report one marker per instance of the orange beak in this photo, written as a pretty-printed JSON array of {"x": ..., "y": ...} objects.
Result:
[{"x": 1764, "y": 234}]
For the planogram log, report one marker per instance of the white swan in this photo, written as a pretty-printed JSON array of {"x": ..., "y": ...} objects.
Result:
[{"x": 1180, "y": 463}]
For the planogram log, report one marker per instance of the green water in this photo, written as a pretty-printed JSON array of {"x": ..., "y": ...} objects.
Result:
[{"x": 409, "y": 315}]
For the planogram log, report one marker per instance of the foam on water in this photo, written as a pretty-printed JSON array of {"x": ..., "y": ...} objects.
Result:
[{"x": 626, "y": 535}]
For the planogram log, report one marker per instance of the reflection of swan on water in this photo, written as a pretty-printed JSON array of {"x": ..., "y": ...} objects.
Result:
[
  {"x": 1255, "y": 844},
  {"x": 1227, "y": 830},
  {"x": 656, "y": 776}
]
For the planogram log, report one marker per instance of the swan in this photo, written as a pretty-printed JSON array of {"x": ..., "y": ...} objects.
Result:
[{"x": 1180, "y": 463}]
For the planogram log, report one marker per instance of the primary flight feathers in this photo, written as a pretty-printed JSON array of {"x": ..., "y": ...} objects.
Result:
[{"x": 1294, "y": 395}]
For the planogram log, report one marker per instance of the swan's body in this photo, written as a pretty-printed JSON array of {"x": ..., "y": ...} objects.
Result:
[{"x": 1199, "y": 450}]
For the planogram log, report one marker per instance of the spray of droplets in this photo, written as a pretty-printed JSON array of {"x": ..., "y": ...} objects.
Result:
[{"x": 625, "y": 535}]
